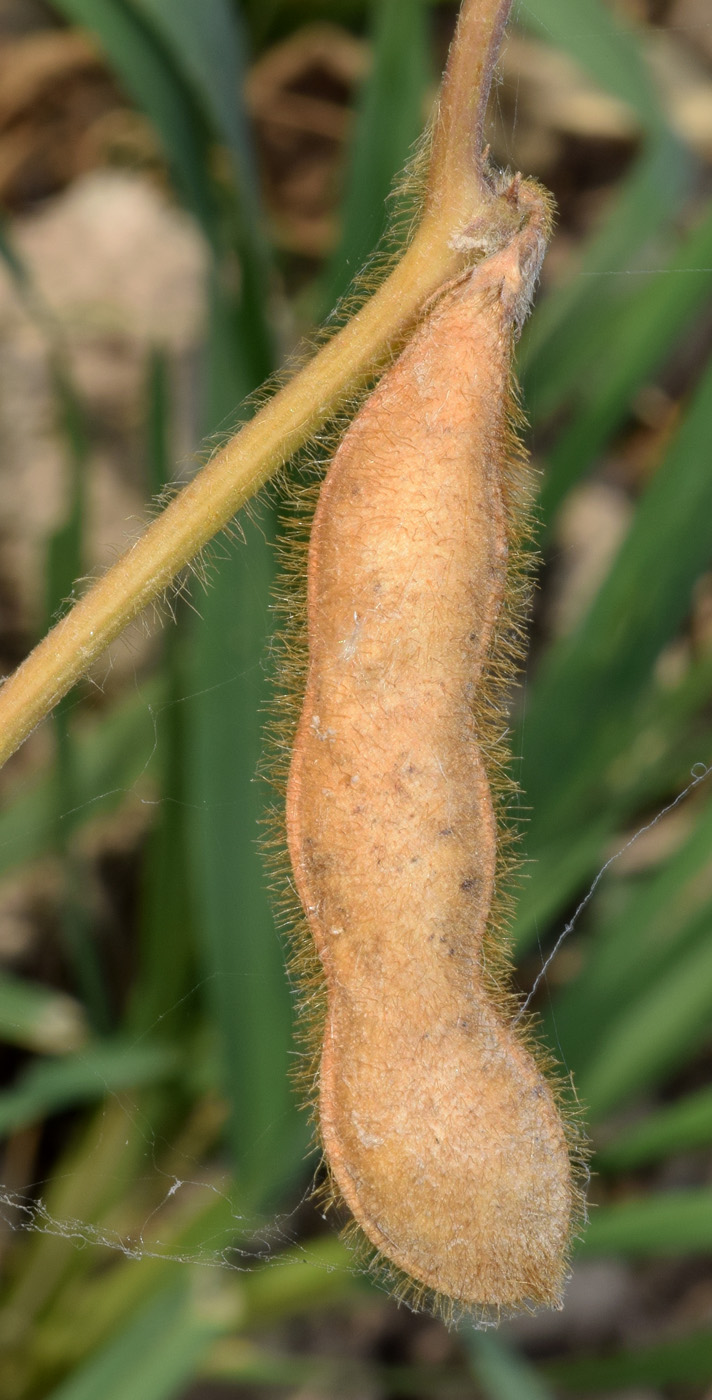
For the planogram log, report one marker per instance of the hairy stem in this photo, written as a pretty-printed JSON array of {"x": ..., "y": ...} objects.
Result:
[
  {"x": 457, "y": 194},
  {"x": 456, "y": 174}
]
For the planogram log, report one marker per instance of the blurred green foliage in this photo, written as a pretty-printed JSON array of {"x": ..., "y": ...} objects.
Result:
[{"x": 194, "y": 1066}]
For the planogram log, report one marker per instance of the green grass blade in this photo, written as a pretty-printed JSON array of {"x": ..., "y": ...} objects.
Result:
[
  {"x": 165, "y": 962},
  {"x": 571, "y": 328},
  {"x": 98, "y": 1170},
  {"x": 96, "y": 1305},
  {"x": 667, "y": 738},
  {"x": 112, "y": 754},
  {"x": 638, "y": 946},
  {"x": 80, "y": 949},
  {"x": 15, "y": 266},
  {"x": 646, "y": 331},
  {"x": 554, "y": 871},
  {"x": 555, "y": 354},
  {"x": 52, "y": 1086},
  {"x": 159, "y": 458},
  {"x": 39, "y": 1018},
  {"x": 388, "y": 122},
  {"x": 207, "y": 45},
  {"x": 242, "y": 957},
  {"x": 63, "y": 565},
  {"x": 606, "y": 48},
  {"x": 683, "y": 1361},
  {"x": 579, "y": 709},
  {"x": 679, "y": 1127},
  {"x": 150, "y": 79},
  {"x": 64, "y": 562},
  {"x": 500, "y": 1373},
  {"x": 156, "y": 1356},
  {"x": 162, "y": 980},
  {"x": 653, "y": 1036},
  {"x": 313, "y": 1273},
  {"x": 662, "y": 1223}
]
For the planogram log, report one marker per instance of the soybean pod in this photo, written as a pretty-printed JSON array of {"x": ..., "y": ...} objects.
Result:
[{"x": 440, "y": 1129}]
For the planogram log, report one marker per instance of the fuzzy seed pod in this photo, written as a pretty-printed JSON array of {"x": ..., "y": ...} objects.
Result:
[{"x": 439, "y": 1127}]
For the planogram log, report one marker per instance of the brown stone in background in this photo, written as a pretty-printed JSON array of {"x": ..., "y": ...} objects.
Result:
[{"x": 53, "y": 87}]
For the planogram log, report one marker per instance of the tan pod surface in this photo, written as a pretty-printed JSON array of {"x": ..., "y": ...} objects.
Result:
[{"x": 439, "y": 1128}]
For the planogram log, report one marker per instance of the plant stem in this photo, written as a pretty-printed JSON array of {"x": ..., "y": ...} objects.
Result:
[
  {"x": 456, "y": 165},
  {"x": 457, "y": 194}
]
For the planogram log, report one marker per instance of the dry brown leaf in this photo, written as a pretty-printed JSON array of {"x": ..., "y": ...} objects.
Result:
[{"x": 299, "y": 94}]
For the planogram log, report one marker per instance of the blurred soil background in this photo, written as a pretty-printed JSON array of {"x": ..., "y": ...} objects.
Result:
[{"x": 119, "y": 282}]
